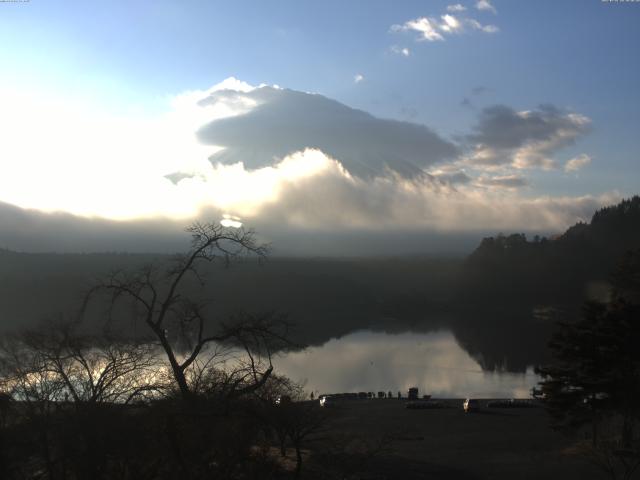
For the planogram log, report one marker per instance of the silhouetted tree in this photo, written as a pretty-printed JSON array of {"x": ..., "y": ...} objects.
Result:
[
  {"x": 70, "y": 388},
  {"x": 185, "y": 325},
  {"x": 595, "y": 377},
  {"x": 95, "y": 368}
]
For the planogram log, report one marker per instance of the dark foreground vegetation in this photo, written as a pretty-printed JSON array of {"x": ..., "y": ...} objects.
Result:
[{"x": 593, "y": 384}]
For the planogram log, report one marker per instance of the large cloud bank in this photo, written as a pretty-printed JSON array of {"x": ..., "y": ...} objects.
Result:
[{"x": 285, "y": 161}]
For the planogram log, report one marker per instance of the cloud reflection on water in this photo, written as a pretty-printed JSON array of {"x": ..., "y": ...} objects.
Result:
[{"x": 368, "y": 361}]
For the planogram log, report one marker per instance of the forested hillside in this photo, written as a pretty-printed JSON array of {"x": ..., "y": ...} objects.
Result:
[{"x": 563, "y": 269}]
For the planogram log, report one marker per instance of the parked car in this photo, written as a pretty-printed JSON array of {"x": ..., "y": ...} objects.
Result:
[{"x": 471, "y": 405}]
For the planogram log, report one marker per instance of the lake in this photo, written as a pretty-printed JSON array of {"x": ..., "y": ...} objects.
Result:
[{"x": 373, "y": 361}]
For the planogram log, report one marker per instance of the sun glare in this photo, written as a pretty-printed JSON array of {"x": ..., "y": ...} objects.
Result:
[{"x": 61, "y": 155}]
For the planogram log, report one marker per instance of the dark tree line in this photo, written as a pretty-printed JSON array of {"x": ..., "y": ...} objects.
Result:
[{"x": 552, "y": 270}]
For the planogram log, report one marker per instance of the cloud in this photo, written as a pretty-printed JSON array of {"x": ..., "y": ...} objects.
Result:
[
  {"x": 451, "y": 176},
  {"x": 404, "y": 51},
  {"x": 434, "y": 29},
  {"x": 456, "y": 8},
  {"x": 524, "y": 139},
  {"x": 577, "y": 163},
  {"x": 450, "y": 23},
  {"x": 296, "y": 210},
  {"x": 480, "y": 90},
  {"x": 504, "y": 181},
  {"x": 358, "y": 78},
  {"x": 476, "y": 25},
  {"x": 308, "y": 204},
  {"x": 485, "y": 5},
  {"x": 279, "y": 160},
  {"x": 426, "y": 27},
  {"x": 329, "y": 198},
  {"x": 285, "y": 121},
  {"x": 475, "y": 92}
]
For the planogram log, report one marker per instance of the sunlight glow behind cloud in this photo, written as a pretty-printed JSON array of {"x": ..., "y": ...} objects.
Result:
[{"x": 59, "y": 155}]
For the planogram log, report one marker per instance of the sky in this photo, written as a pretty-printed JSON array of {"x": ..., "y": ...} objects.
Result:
[{"x": 340, "y": 118}]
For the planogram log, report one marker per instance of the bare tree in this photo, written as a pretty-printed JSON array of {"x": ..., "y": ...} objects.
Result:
[
  {"x": 71, "y": 388},
  {"x": 183, "y": 325},
  {"x": 94, "y": 368}
]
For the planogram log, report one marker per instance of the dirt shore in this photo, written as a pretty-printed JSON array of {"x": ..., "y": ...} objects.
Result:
[{"x": 494, "y": 443}]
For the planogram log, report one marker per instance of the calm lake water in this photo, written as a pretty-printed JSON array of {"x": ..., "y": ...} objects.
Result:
[{"x": 371, "y": 361}]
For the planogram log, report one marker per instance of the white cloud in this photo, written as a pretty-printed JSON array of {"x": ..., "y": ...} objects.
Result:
[
  {"x": 577, "y": 163},
  {"x": 456, "y": 8},
  {"x": 426, "y": 27},
  {"x": 433, "y": 29},
  {"x": 358, "y": 78},
  {"x": 404, "y": 51},
  {"x": 327, "y": 197},
  {"x": 485, "y": 5},
  {"x": 450, "y": 23}
]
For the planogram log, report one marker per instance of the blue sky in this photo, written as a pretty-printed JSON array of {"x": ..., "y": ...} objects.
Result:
[{"x": 133, "y": 58}]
